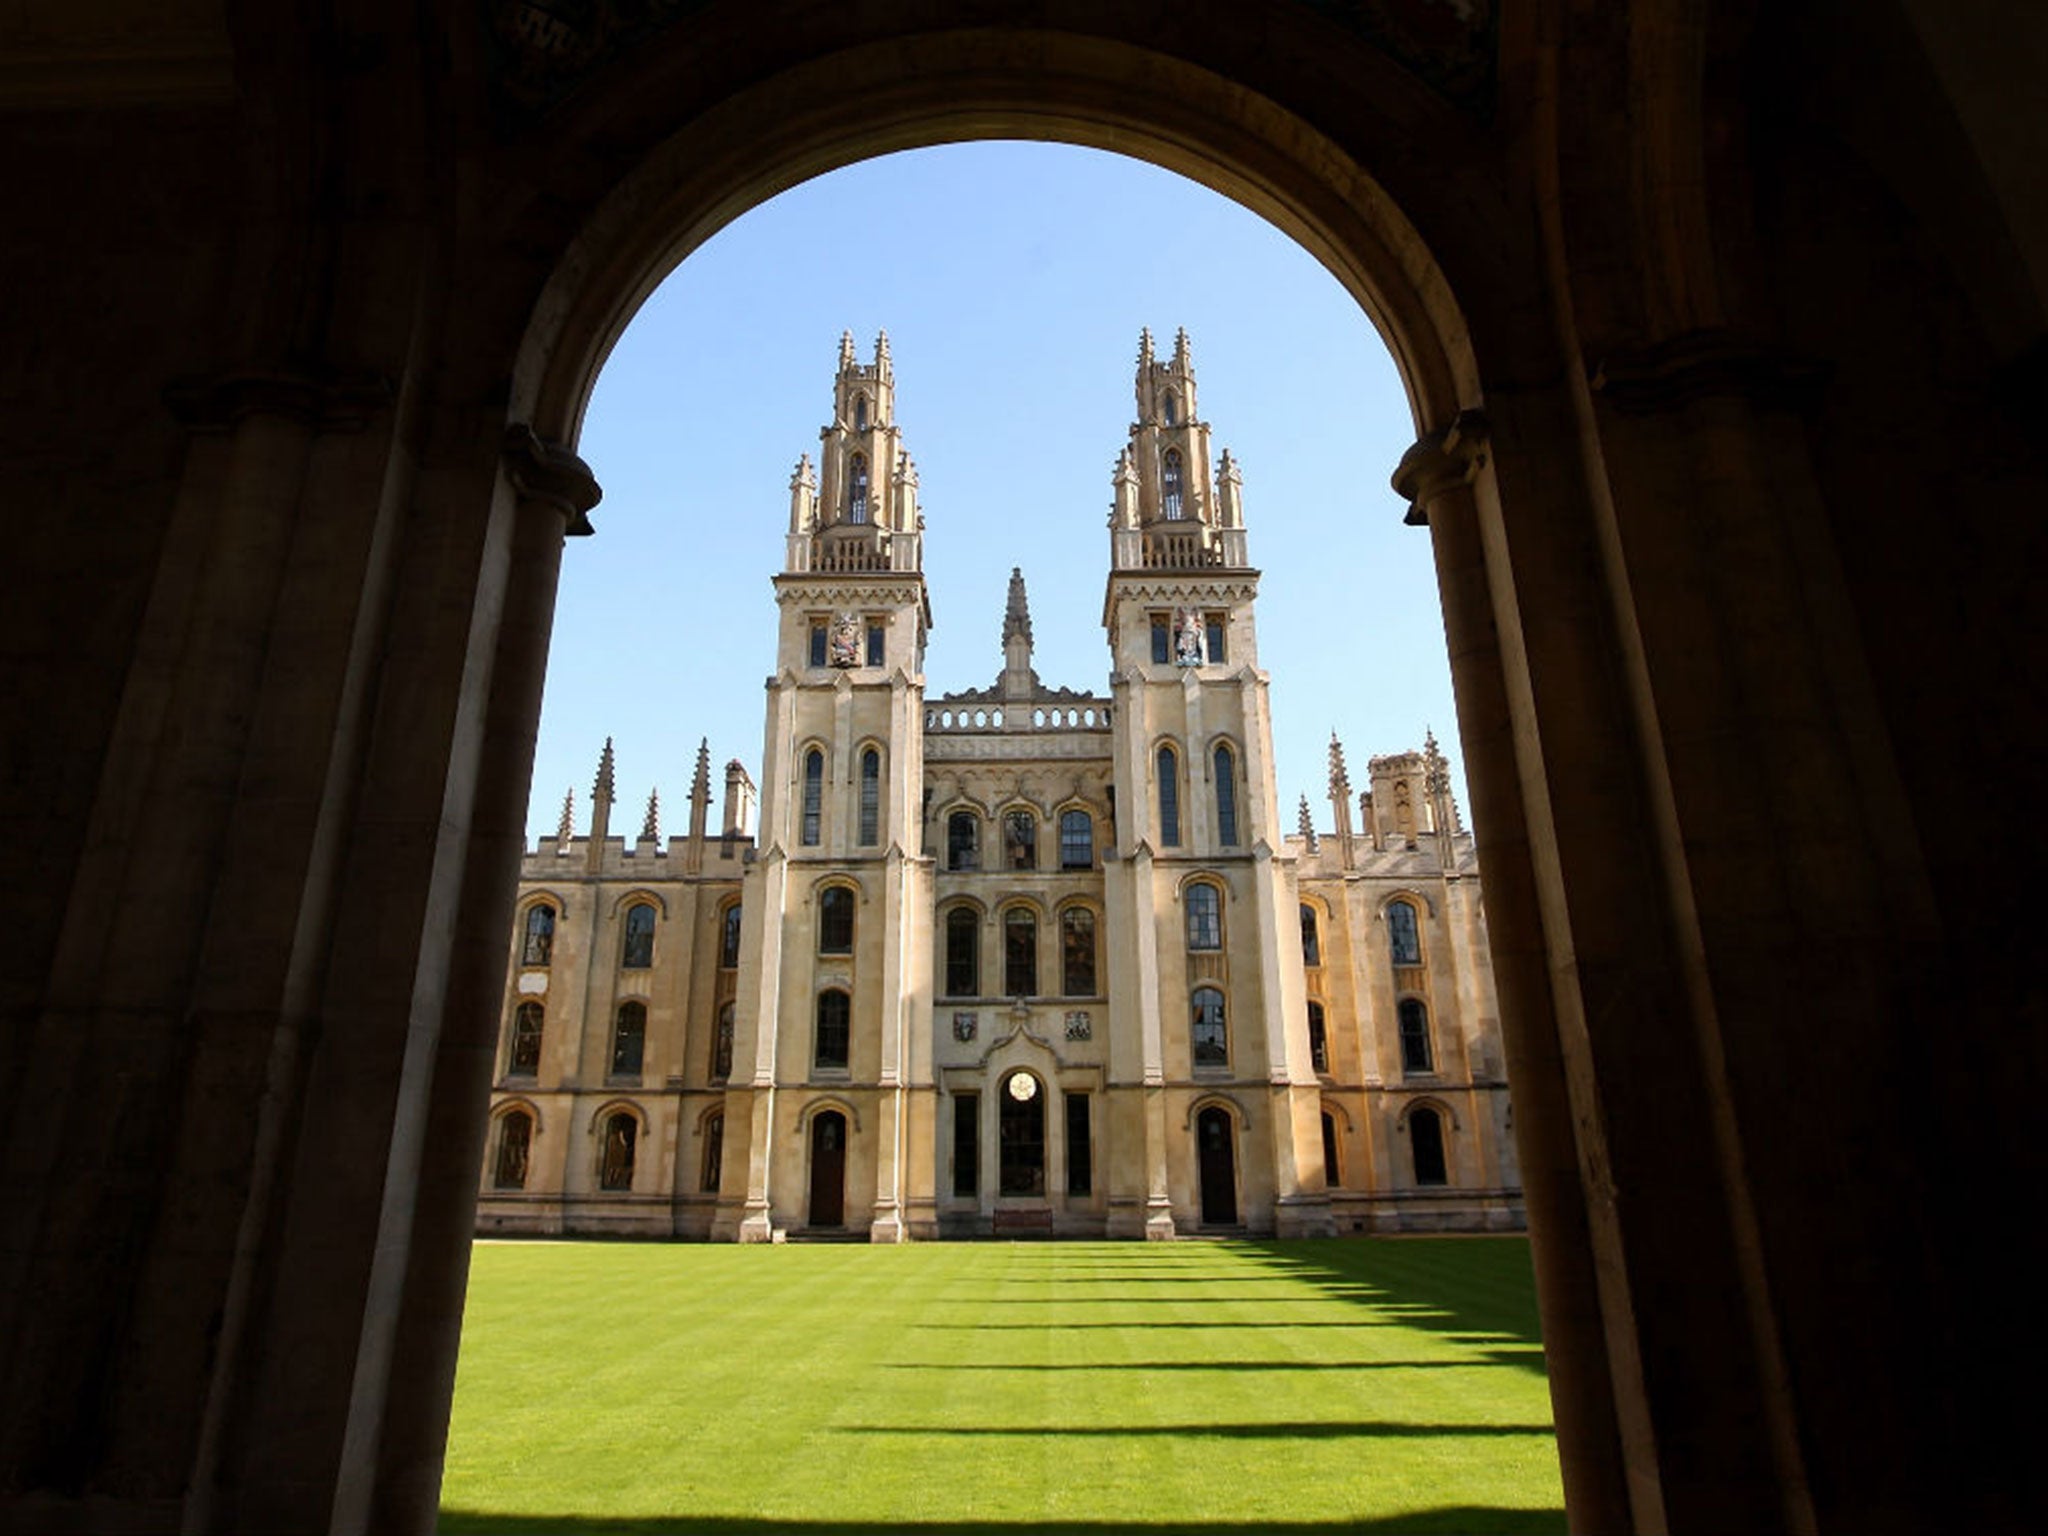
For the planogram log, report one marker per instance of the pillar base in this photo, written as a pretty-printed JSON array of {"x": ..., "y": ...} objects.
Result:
[
  {"x": 887, "y": 1227},
  {"x": 1159, "y": 1226},
  {"x": 756, "y": 1227}
]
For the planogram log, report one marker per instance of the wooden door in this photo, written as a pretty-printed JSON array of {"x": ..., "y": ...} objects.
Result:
[
  {"x": 828, "y": 1169},
  {"x": 1218, "y": 1160}
]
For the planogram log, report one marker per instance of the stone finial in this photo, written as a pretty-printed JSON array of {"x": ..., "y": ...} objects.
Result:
[
  {"x": 1017, "y": 611},
  {"x": 650, "y": 829},
  {"x": 566, "y": 831},
  {"x": 1144, "y": 346},
  {"x": 1182, "y": 363},
  {"x": 846, "y": 353},
  {"x": 803, "y": 476},
  {"x": 602, "y": 789},
  {"x": 700, "y": 781},
  {"x": 1340, "y": 777},
  {"x": 1436, "y": 776},
  {"x": 882, "y": 365},
  {"x": 1308, "y": 828}
]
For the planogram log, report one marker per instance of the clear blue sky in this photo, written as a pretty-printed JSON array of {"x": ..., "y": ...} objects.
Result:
[{"x": 1012, "y": 280}]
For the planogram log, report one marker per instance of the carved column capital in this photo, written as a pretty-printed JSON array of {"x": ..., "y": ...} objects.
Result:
[
  {"x": 549, "y": 473},
  {"x": 1440, "y": 462}
]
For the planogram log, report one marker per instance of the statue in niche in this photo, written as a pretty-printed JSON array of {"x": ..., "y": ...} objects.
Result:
[
  {"x": 844, "y": 647},
  {"x": 1188, "y": 637}
]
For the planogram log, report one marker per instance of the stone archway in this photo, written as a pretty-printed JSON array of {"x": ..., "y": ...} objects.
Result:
[{"x": 1711, "y": 674}]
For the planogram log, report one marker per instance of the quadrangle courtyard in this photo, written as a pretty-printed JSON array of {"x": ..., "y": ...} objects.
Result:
[{"x": 829, "y": 1389}]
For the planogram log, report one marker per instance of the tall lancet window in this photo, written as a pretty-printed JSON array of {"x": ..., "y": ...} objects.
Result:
[
  {"x": 1169, "y": 485},
  {"x": 1172, "y": 412},
  {"x": 1169, "y": 798},
  {"x": 814, "y": 797},
  {"x": 857, "y": 490},
  {"x": 860, "y": 413},
  {"x": 870, "y": 797},
  {"x": 1226, "y": 798}
]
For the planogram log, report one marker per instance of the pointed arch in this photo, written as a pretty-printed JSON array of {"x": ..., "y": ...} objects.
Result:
[{"x": 1172, "y": 472}]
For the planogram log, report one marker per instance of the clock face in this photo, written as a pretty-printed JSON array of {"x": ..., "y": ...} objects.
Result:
[{"x": 1023, "y": 1086}]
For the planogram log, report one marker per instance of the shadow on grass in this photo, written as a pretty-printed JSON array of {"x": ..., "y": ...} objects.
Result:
[
  {"x": 1289, "y": 1367},
  {"x": 1452, "y": 1520},
  {"x": 1300, "y": 1429},
  {"x": 1385, "y": 1276}
]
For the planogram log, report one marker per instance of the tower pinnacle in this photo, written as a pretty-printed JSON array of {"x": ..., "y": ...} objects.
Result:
[
  {"x": 602, "y": 789},
  {"x": 650, "y": 829},
  {"x": 1017, "y": 612}
]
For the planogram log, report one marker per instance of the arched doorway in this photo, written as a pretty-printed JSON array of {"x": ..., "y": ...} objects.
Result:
[
  {"x": 1020, "y": 1138},
  {"x": 827, "y": 1206},
  {"x": 1216, "y": 1166}
]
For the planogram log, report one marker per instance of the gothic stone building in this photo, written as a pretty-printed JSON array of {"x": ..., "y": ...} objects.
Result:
[{"x": 1018, "y": 959}]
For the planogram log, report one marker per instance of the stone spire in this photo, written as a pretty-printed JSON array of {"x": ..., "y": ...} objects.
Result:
[
  {"x": 846, "y": 353},
  {"x": 566, "y": 832},
  {"x": 601, "y": 807},
  {"x": 1144, "y": 346},
  {"x": 1309, "y": 839},
  {"x": 1018, "y": 681},
  {"x": 1340, "y": 801},
  {"x": 1017, "y": 611},
  {"x": 1181, "y": 361},
  {"x": 700, "y": 808},
  {"x": 883, "y": 368},
  {"x": 650, "y": 829},
  {"x": 1443, "y": 806}
]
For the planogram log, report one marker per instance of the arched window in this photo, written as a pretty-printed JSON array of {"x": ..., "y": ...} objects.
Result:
[
  {"x": 1169, "y": 485},
  {"x": 1205, "y": 916},
  {"x": 1414, "y": 1019},
  {"x": 1168, "y": 763},
  {"x": 1426, "y": 1141},
  {"x": 637, "y": 952},
  {"x": 1226, "y": 798},
  {"x": 721, "y": 1045},
  {"x": 857, "y": 490},
  {"x": 1020, "y": 840},
  {"x": 524, "y": 1060},
  {"x": 835, "y": 1029},
  {"x": 963, "y": 952},
  {"x": 1077, "y": 952},
  {"x": 1077, "y": 840},
  {"x": 870, "y": 797},
  {"x": 629, "y": 1039},
  {"x": 1332, "y": 1172},
  {"x": 1404, "y": 937},
  {"x": 835, "y": 921},
  {"x": 713, "y": 1171},
  {"x": 515, "y": 1141},
  {"x": 729, "y": 938},
  {"x": 1170, "y": 408},
  {"x": 814, "y": 797},
  {"x": 1311, "y": 942},
  {"x": 860, "y": 413},
  {"x": 621, "y": 1141},
  {"x": 539, "y": 947},
  {"x": 963, "y": 840},
  {"x": 1318, "y": 1038},
  {"x": 1209, "y": 1036},
  {"x": 1020, "y": 952}
]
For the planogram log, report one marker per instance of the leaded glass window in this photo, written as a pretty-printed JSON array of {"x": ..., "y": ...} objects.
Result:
[
  {"x": 539, "y": 947},
  {"x": 1404, "y": 938},
  {"x": 1311, "y": 941},
  {"x": 629, "y": 1039},
  {"x": 835, "y": 921},
  {"x": 1020, "y": 840},
  {"x": 1020, "y": 953},
  {"x": 1318, "y": 1038},
  {"x": 1169, "y": 798},
  {"x": 1077, "y": 952},
  {"x": 963, "y": 839},
  {"x": 835, "y": 1029},
  {"x": 963, "y": 952},
  {"x": 527, "y": 1022},
  {"x": 637, "y": 953},
  {"x": 857, "y": 490},
  {"x": 814, "y": 797},
  {"x": 1426, "y": 1141},
  {"x": 1209, "y": 1037},
  {"x": 621, "y": 1142},
  {"x": 515, "y": 1141},
  {"x": 1169, "y": 485},
  {"x": 1205, "y": 917},
  {"x": 721, "y": 1045},
  {"x": 870, "y": 797},
  {"x": 1077, "y": 840},
  {"x": 729, "y": 939},
  {"x": 1415, "y": 1052},
  {"x": 713, "y": 1172},
  {"x": 1226, "y": 798}
]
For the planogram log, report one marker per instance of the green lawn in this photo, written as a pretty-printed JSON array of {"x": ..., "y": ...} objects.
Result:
[{"x": 1390, "y": 1385}]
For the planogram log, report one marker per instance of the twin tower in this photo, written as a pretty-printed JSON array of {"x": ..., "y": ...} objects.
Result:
[{"x": 1019, "y": 958}]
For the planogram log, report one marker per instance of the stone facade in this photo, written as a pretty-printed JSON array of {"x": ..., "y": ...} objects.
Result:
[{"x": 1019, "y": 959}]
